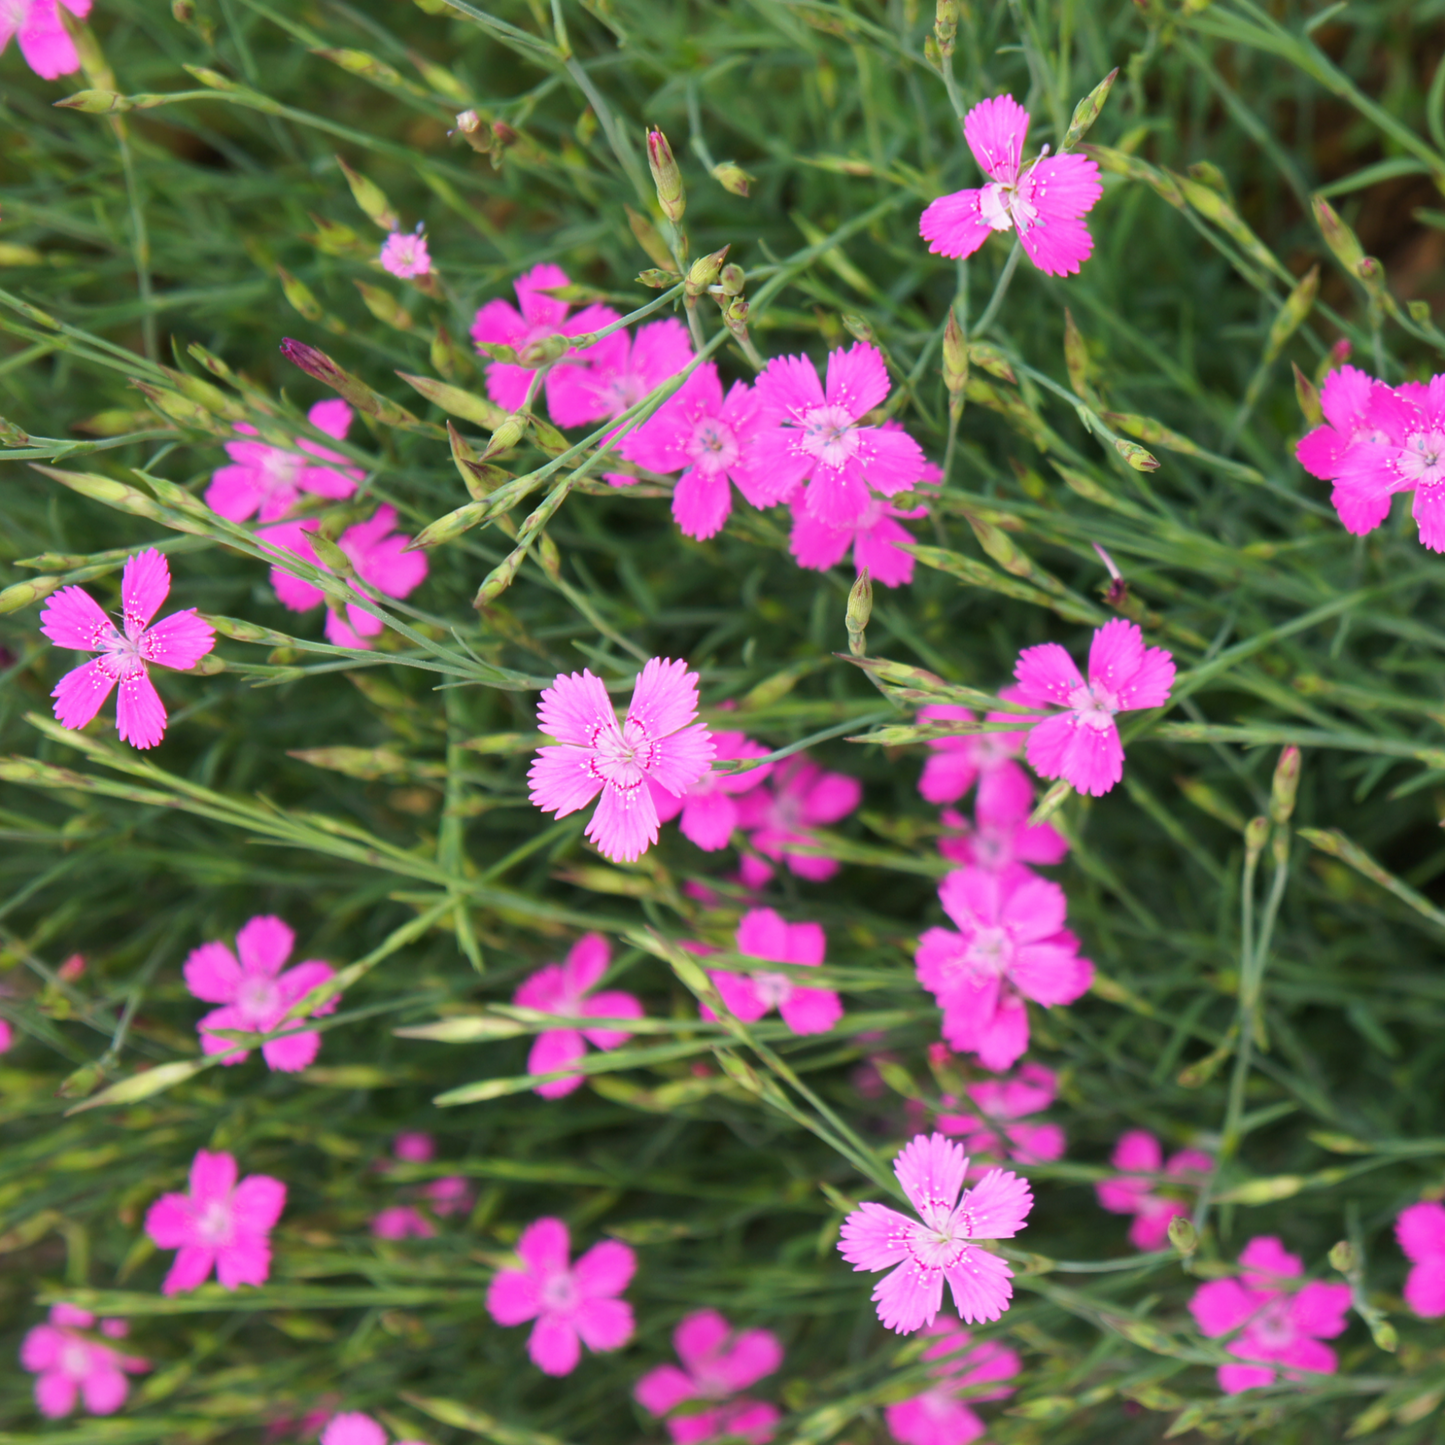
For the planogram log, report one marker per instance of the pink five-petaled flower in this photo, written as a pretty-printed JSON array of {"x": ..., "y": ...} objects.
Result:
[
  {"x": 1082, "y": 743},
  {"x": 614, "y": 374},
  {"x": 1043, "y": 202},
  {"x": 220, "y": 1224},
  {"x": 799, "y": 795},
  {"x": 955, "y": 762},
  {"x": 657, "y": 743},
  {"x": 811, "y": 434},
  {"x": 940, "y": 1244},
  {"x": 43, "y": 39},
  {"x": 996, "y": 1130},
  {"x": 573, "y": 1304},
  {"x": 709, "y": 808},
  {"x": 376, "y": 552},
  {"x": 1278, "y": 1326},
  {"x": 405, "y": 254},
  {"x": 268, "y": 481},
  {"x": 351, "y": 1427},
  {"x": 255, "y": 994},
  {"x": 72, "y": 618},
  {"x": 414, "y": 1147},
  {"x": 1000, "y": 834},
  {"x": 708, "y": 438},
  {"x": 1420, "y": 1230},
  {"x": 1139, "y": 1157},
  {"x": 402, "y": 1221},
  {"x": 1012, "y": 945},
  {"x": 1348, "y": 399},
  {"x": 938, "y": 1416},
  {"x": 762, "y": 933},
  {"x": 562, "y": 989},
  {"x": 69, "y": 1365},
  {"x": 717, "y": 1363}
]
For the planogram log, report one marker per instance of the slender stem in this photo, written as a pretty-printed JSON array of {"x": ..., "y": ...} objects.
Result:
[
  {"x": 140, "y": 246},
  {"x": 1000, "y": 290}
]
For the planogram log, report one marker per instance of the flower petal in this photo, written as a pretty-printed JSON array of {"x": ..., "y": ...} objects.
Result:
[
  {"x": 995, "y": 130},
  {"x": 144, "y": 585}
]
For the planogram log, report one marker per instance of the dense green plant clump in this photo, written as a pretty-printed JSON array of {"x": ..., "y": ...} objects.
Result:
[{"x": 384, "y": 371}]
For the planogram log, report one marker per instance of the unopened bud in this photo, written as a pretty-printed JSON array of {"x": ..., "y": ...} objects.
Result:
[
  {"x": 955, "y": 359},
  {"x": 1338, "y": 236},
  {"x": 1183, "y": 1235},
  {"x": 353, "y": 388},
  {"x": 732, "y": 279},
  {"x": 12, "y": 435},
  {"x": 1137, "y": 457},
  {"x": 859, "y": 328},
  {"x": 184, "y": 11},
  {"x": 732, "y": 177},
  {"x": 860, "y": 609},
  {"x": 1384, "y": 1334},
  {"x": 945, "y": 26},
  {"x": 300, "y": 295},
  {"x": 703, "y": 272},
  {"x": 1255, "y": 833},
  {"x": 658, "y": 280},
  {"x": 503, "y": 135},
  {"x": 330, "y": 555},
  {"x": 507, "y": 435},
  {"x": 537, "y": 354},
  {"x": 1343, "y": 1257},
  {"x": 1308, "y": 396},
  {"x": 470, "y": 128},
  {"x": 549, "y": 556},
  {"x": 22, "y": 594},
  {"x": 931, "y": 52},
  {"x": 1285, "y": 786},
  {"x": 650, "y": 239},
  {"x": 736, "y": 316},
  {"x": 548, "y": 438},
  {"x": 1087, "y": 111},
  {"x": 666, "y": 176},
  {"x": 371, "y": 198}
]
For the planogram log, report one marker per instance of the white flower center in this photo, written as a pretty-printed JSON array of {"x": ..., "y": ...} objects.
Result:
[
  {"x": 1094, "y": 706},
  {"x": 1423, "y": 461},
  {"x": 989, "y": 954},
  {"x": 1003, "y": 208},
  {"x": 214, "y": 1226},
  {"x": 829, "y": 434},
  {"x": 713, "y": 447},
  {"x": 559, "y": 1294},
  {"x": 773, "y": 988}
]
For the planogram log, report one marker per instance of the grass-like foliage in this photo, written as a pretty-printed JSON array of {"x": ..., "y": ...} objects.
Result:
[{"x": 219, "y": 178}]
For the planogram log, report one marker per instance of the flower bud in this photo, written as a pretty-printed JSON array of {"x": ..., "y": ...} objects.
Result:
[
  {"x": 1343, "y": 1257},
  {"x": 1338, "y": 236},
  {"x": 859, "y": 328},
  {"x": 1183, "y": 1235},
  {"x": 955, "y": 361},
  {"x": 1384, "y": 1334},
  {"x": 12, "y": 435},
  {"x": 1285, "y": 786},
  {"x": 300, "y": 295},
  {"x": 1308, "y": 396},
  {"x": 1087, "y": 111},
  {"x": 732, "y": 177},
  {"x": 657, "y": 279},
  {"x": 353, "y": 388},
  {"x": 736, "y": 316},
  {"x": 703, "y": 272},
  {"x": 544, "y": 352},
  {"x": 549, "y": 556},
  {"x": 330, "y": 555},
  {"x": 945, "y": 27},
  {"x": 666, "y": 176},
  {"x": 22, "y": 594},
  {"x": 1292, "y": 314},
  {"x": 860, "y": 609},
  {"x": 1255, "y": 833},
  {"x": 1136, "y": 456},
  {"x": 184, "y": 11},
  {"x": 732, "y": 278},
  {"x": 507, "y": 435},
  {"x": 371, "y": 198}
]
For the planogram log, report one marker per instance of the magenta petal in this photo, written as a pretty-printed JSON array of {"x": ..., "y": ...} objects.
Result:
[
  {"x": 247, "y": 1260},
  {"x": 552, "y": 1051},
  {"x": 931, "y": 1170},
  {"x": 144, "y": 585},
  {"x": 995, "y": 130},
  {"x": 140, "y": 715},
  {"x": 81, "y": 692},
  {"x": 604, "y": 1324},
  {"x": 662, "y": 1389},
  {"x": 514, "y": 1297},
  {"x": 605, "y": 1269},
  {"x": 553, "y": 1345},
  {"x": 953, "y": 225},
  {"x": 293, "y": 1051},
  {"x": 1233, "y": 1379},
  {"x": 909, "y": 1297},
  {"x": 190, "y": 1269},
  {"x": 73, "y": 618},
  {"x": 545, "y": 1246},
  {"x": 981, "y": 1286},
  {"x": 55, "y": 1393},
  {"x": 811, "y": 1010},
  {"x": 624, "y": 826},
  {"x": 1425, "y": 1288}
]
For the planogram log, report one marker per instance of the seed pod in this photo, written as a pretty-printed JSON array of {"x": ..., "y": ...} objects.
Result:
[
  {"x": 384, "y": 306},
  {"x": 300, "y": 295}
]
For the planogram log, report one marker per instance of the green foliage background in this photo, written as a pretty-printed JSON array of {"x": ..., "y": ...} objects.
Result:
[{"x": 407, "y": 849}]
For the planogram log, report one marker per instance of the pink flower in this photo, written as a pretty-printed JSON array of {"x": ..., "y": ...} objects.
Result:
[
  {"x": 1278, "y": 1326},
  {"x": 1082, "y": 743},
  {"x": 1139, "y": 1156},
  {"x": 351, "y": 1427},
  {"x": 809, "y": 434},
  {"x": 1012, "y": 946},
  {"x": 763, "y": 934},
  {"x": 1001, "y": 837},
  {"x": 219, "y": 1223},
  {"x": 1042, "y": 201},
  {"x": 574, "y": 1305},
  {"x": 938, "y": 1416},
  {"x": 256, "y": 995},
  {"x": 48, "y": 50},
  {"x": 710, "y": 812},
  {"x": 874, "y": 537},
  {"x": 73, "y": 619},
  {"x": 717, "y": 1362},
  {"x": 955, "y": 763},
  {"x": 451, "y": 1194},
  {"x": 269, "y": 480},
  {"x": 995, "y": 1130},
  {"x": 69, "y": 1364},
  {"x": 922, "y": 1253},
  {"x": 562, "y": 989},
  {"x": 657, "y": 743},
  {"x": 401, "y": 1221},
  {"x": 1420, "y": 1230},
  {"x": 7, "y": 1036},
  {"x": 708, "y": 438},
  {"x": 405, "y": 254},
  {"x": 500, "y": 324},
  {"x": 414, "y": 1148},
  {"x": 375, "y": 551},
  {"x": 800, "y": 795},
  {"x": 614, "y": 374}
]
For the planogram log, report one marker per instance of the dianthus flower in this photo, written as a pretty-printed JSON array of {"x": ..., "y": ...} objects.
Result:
[
  {"x": 256, "y": 995},
  {"x": 811, "y": 434},
  {"x": 1404, "y": 451},
  {"x": 573, "y": 1304},
  {"x": 351, "y": 1427},
  {"x": 499, "y": 323},
  {"x": 996, "y": 1129},
  {"x": 658, "y": 742},
  {"x": 43, "y": 40},
  {"x": 1278, "y": 1326},
  {"x": 1000, "y": 834},
  {"x": 799, "y": 795},
  {"x": 71, "y": 1366},
  {"x": 1420, "y": 1230},
  {"x": 1082, "y": 743},
  {"x": 610, "y": 376},
  {"x": 72, "y": 618},
  {"x": 938, "y": 1416},
  {"x": 762, "y": 933},
  {"x": 955, "y": 763},
  {"x": 1012, "y": 945},
  {"x": 707, "y": 436},
  {"x": 1043, "y": 201},
  {"x": 874, "y": 537},
  {"x": 1140, "y": 1159},
  {"x": 376, "y": 552},
  {"x": 709, "y": 808},
  {"x": 717, "y": 1363},
  {"x": 563, "y": 989},
  {"x": 414, "y": 1147},
  {"x": 220, "y": 1224},
  {"x": 268, "y": 481},
  {"x": 941, "y": 1244},
  {"x": 401, "y": 1221},
  {"x": 405, "y": 254},
  {"x": 451, "y": 1194}
]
